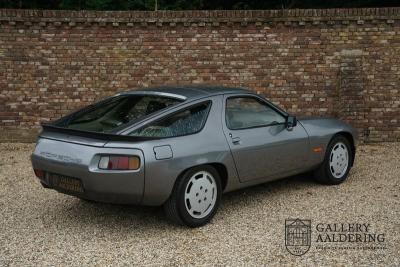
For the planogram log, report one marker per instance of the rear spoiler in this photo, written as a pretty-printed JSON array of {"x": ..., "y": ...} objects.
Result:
[{"x": 95, "y": 135}]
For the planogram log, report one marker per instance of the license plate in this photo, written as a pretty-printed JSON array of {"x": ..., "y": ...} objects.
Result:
[{"x": 67, "y": 183}]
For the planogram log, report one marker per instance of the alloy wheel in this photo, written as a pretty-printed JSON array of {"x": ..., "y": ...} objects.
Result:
[
  {"x": 200, "y": 194},
  {"x": 339, "y": 160}
]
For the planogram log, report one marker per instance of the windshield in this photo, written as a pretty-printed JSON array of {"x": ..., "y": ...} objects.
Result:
[{"x": 114, "y": 112}]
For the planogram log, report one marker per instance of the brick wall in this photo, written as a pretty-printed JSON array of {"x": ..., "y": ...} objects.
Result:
[{"x": 339, "y": 62}]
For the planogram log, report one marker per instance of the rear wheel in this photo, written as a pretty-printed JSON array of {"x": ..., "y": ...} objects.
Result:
[
  {"x": 337, "y": 162},
  {"x": 195, "y": 197}
]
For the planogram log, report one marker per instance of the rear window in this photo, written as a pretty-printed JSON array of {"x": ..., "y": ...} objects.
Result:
[
  {"x": 184, "y": 122},
  {"x": 114, "y": 112}
]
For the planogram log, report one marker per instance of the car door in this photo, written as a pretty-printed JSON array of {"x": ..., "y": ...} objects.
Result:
[{"x": 261, "y": 144}]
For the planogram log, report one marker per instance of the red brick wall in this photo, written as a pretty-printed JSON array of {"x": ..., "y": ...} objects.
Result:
[{"x": 340, "y": 62}]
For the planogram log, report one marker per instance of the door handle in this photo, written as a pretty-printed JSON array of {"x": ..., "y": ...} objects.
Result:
[{"x": 236, "y": 140}]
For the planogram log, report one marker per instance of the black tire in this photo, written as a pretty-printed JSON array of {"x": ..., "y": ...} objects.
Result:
[
  {"x": 175, "y": 208},
  {"x": 324, "y": 173}
]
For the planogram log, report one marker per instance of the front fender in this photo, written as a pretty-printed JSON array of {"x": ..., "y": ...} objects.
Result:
[{"x": 321, "y": 131}]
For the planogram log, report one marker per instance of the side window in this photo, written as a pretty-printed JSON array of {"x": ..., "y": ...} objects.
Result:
[
  {"x": 247, "y": 112},
  {"x": 188, "y": 121}
]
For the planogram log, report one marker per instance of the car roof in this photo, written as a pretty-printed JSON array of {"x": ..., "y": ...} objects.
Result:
[{"x": 189, "y": 92}]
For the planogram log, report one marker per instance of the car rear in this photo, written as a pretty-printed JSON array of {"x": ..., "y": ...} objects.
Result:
[
  {"x": 71, "y": 166},
  {"x": 73, "y": 155}
]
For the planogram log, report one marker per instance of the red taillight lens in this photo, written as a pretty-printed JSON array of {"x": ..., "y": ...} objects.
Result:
[
  {"x": 39, "y": 173},
  {"x": 119, "y": 163},
  {"x": 123, "y": 163}
]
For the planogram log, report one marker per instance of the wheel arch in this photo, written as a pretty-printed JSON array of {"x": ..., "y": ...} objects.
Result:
[{"x": 219, "y": 167}]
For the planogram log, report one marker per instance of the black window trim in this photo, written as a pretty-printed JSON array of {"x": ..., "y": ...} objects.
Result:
[
  {"x": 208, "y": 102},
  {"x": 284, "y": 114}
]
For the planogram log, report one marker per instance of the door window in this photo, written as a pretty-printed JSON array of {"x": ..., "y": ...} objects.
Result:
[{"x": 250, "y": 112}]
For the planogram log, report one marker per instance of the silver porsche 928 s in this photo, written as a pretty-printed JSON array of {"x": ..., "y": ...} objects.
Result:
[{"x": 182, "y": 147}]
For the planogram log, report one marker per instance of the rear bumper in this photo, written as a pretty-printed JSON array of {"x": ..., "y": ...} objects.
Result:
[
  {"x": 81, "y": 162},
  {"x": 102, "y": 195}
]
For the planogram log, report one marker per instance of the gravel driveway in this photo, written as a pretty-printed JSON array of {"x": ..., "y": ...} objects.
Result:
[{"x": 43, "y": 227}]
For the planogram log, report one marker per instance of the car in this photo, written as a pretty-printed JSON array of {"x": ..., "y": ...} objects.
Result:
[{"x": 184, "y": 146}]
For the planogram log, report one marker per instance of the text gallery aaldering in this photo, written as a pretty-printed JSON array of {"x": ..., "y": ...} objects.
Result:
[{"x": 331, "y": 236}]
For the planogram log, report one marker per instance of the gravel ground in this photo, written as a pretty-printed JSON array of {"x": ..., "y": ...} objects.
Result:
[{"x": 43, "y": 227}]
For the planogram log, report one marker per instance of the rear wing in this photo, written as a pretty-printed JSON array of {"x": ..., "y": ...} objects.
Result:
[{"x": 95, "y": 135}]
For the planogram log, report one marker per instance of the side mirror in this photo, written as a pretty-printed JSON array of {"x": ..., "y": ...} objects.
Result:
[{"x": 291, "y": 122}]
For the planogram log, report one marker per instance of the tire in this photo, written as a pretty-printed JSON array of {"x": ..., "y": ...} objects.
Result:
[
  {"x": 337, "y": 162},
  {"x": 195, "y": 197}
]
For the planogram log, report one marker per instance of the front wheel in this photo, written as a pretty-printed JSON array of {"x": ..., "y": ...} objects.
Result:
[
  {"x": 337, "y": 162},
  {"x": 195, "y": 197}
]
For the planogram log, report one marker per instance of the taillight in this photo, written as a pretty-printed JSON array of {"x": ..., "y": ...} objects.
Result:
[
  {"x": 39, "y": 173},
  {"x": 119, "y": 163}
]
